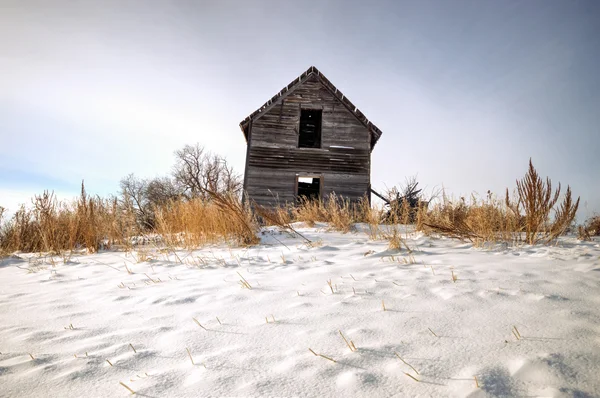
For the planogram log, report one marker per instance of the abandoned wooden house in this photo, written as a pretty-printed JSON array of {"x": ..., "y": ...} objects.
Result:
[{"x": 308, "y": 141}]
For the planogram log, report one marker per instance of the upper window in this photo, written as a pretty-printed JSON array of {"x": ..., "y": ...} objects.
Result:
[{"x": 310, "y": 128}]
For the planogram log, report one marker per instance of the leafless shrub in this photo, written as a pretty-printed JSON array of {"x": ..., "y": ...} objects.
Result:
[
  {"x": 134, "y": 199},
  {"x": 403, "y": 203},
  {"x": 198, "y": 171},
  {"x": 590, "y": 228},
  {"x": 162, "y": 190}
]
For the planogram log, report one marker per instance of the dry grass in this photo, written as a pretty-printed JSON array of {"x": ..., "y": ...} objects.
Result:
[
  {"x": 537, "y": 199},
  {"x": 526, "y": 218},
  {"x": 198, "y": 222},
  {"x": 57, "y": 227},
  {"x": 534, "y": 215},
  {"x": 341, "y": 215},
  {"x": 335, "y": 210},
  {"x": 589, "y": 229},
  {"x": 338, "y": 212},
  {"x": 93, "y": 223},
  {"x": 478, "y": 221}
]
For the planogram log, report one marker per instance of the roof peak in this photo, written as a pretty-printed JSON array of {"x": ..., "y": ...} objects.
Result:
[{"x": 376, "y": 133}]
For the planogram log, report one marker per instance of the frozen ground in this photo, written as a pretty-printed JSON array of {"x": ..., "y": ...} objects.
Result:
[{"x": 77, "y": 317}]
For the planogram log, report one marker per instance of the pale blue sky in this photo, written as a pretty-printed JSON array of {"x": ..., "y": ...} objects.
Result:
[{"x": 464, "y": 91}]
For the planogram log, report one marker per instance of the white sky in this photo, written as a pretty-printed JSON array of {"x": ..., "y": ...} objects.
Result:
[{"x": 464, "y": 92}]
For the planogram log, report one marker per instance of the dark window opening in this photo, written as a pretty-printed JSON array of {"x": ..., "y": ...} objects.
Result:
[
  {"x": 310, "y": 128},
  {"x": 309, "y": 188}
]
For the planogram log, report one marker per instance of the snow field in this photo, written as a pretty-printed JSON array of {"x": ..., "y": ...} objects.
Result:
[{"x": 514, "y": 322}]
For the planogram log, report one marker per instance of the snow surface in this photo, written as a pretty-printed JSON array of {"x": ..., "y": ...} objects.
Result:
[{"x": 75, "y": 318}]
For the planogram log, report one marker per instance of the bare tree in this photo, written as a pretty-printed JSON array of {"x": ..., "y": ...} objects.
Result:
[
  {"x": 197, "y": 171},
  {"x": 134, "y": 197},
  {"x": 162, "y": 190}
]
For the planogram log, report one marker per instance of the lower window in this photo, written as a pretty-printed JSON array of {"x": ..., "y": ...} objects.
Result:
[{"x": 308, "y": 187}]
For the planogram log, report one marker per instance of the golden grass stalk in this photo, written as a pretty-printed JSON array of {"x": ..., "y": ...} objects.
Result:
[
  {"x": 411, "y": 376},
  {"x": 321, "y": 355},
  {"x": 329, "y": 283},
  {"x": 476, "y": 382},
  {"x": 244, "y": 282},
  {"x": 383, "y": 305},
  {"x": 454, "y": 278},
  {"x": 432, "y": 332},
  {"x": 351, "y": 346},
  {"x": 328, "y": 358},
  {"x": 134, "y": 351},
  {"x": 406, "y": 363},
  {"x": 31, "y": 356},
  {"x": 516, "y": 335},
  {"x": 517, "y": 330},
  {"x": 190, "y": 355},
  {"x": 109, "y": 362},
  {"x": 199, "y": 324},
  {"x": 129, "y": 389}
]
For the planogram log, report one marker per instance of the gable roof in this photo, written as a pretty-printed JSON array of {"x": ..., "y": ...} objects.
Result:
[{"x": 373, "y": 130}]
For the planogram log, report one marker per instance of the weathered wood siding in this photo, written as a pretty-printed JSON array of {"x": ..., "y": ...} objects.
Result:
[{"x": 274, "y": 159}]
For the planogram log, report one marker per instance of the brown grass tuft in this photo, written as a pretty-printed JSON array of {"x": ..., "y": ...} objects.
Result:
[
  {"x": 537, "y": 199},
  {"x": 198, "y": 222},
  {"x": 92, "y": 223},
  {"x": 590, "y": 228},
  {"x": 527, "y": 218}
]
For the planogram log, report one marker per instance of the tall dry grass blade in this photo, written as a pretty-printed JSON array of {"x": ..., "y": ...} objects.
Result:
[
  {"x": 129, "y": 389},
  {"x": 190, "y": 355},
  {"x": 406, "y": 363}
]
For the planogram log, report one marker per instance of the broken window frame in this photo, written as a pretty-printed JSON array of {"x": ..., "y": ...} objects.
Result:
[
  {"x": 318, "y": 127},
  {"x": 308, "y": 175}
]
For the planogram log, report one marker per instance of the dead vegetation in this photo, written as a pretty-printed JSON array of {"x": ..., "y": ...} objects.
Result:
[
  {"x": 197, "y": 222},
  {"x": 199, "y": 204},
  {"x": 589, "y": 229},
  {"x": 533, "y": 215},
  {"x": 52, "y": 226},
  {"x": 340, "y": 213}
]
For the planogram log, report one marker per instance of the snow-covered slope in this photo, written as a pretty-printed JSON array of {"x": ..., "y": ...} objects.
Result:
[{"x": 90, "y": 325}]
